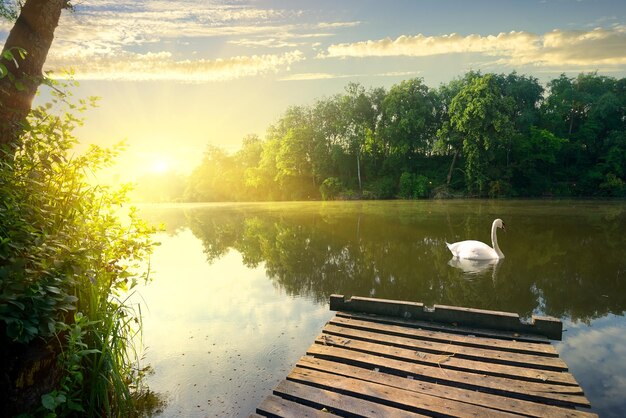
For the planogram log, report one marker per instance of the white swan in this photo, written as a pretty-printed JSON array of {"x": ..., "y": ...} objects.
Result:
[{"x": 476, "y": 250}]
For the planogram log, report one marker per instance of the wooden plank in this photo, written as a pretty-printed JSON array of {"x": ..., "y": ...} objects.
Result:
[
  {"x": 548, "y": 393},
  {"x": 274, "y": 406},
  {"x": 480, "y": 354},
  {"x": 399, "y": 398},
  {"x": 497, "y": 402},
  {"x": 451, "y": 328},
  {"x": 446, "y": 337},
  {"x": 338, "y": 403},
  {"x": 480, "y": 318},
  {"x": 451, "y": 362}
]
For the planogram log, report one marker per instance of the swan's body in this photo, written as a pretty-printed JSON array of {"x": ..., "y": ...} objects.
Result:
[{"x": 476, "y": 250}]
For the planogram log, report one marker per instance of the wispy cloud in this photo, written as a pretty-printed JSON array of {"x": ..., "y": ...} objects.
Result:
[
  {"x": 326, "y": 76},
  {"x": 162, "y": 66},
  {"x": 147, "y": 40},
  {"x": 334, "y": 25},
  {"x": 599, "y": 46},
  {"x": 310, "y": 76}
]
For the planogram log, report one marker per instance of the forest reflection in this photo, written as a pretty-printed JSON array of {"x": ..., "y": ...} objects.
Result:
[{"x": 563, "y": 259}]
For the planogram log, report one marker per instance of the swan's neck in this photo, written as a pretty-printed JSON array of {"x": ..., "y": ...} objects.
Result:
[{"x": 494, "y": 240}]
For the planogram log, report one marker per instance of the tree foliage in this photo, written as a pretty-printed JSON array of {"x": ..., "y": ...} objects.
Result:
[
  {"x": 66, "y": 261},
  {"x": 479, "y": 135}
]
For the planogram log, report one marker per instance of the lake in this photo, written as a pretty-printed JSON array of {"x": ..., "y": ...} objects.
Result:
[{"x": 240, "y": 291}]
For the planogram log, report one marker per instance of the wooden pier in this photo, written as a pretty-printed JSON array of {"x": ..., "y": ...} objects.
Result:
[{"x": 381, "y": 358}]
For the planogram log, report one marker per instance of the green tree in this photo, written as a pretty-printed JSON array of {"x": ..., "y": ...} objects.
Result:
[
  {"x": 248, "y": 159},
  {"x": 589, "y": 111},
  {"x": 480, "y": 113},
  {"x": 213, "y": 180},
  {"x": 537, "y": 155},
  {"x": 408, "y": 121},
  {"x": 360, "y": 111},
  {"x": 449, "y": 140}
]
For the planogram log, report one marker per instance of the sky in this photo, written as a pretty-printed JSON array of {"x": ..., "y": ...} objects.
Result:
[{"x": 176, "y": 76}]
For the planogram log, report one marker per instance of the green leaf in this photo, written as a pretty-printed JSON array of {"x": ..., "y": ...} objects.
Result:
[
  {"x": 53, "y": 289},
  {"x": 48, "y": 401},
  {"x": 18, "y": 304},
  {"x": 75, "y": 406},
  {"x": 3, "y": 71},
  {"x": 8, "y": 55},
  {"x": 90, "y": 351},
  {"x": 22, "y": 52},
  {"x": 20, "y": 86}
]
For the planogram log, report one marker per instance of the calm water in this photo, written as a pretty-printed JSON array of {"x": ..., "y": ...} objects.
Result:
[{"x": 240, "y": 291}]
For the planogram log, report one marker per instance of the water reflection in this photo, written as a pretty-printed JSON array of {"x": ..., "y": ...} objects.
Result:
[
  {"x": 476, "y": 267},
  {"x": 563, "y": 259},
  {"x": 247, "y": 278},
  {"x": 595, "y": 355},
  {"x": 218, "y": 336}
]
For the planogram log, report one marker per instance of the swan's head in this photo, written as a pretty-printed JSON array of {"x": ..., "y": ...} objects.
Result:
[{"x": 499, "y": 223}]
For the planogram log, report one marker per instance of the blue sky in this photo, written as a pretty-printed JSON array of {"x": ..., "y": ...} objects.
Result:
[{"x": 175, "y": 76}]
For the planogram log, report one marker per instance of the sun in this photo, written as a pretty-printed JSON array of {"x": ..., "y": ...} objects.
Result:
[{"x": 160, "y": 166}]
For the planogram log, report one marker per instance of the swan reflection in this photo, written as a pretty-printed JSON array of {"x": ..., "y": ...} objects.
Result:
[{"x": 476, "y": 267}]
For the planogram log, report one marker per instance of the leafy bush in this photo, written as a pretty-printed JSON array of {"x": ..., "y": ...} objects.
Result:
[
  {"x": 382, "y": 188},
  {"x": 330, "y": 188},
  {"x": 414, "y": 186},
  {"x": 613, "y": 185},
  {"x": 66, "y": 259}
]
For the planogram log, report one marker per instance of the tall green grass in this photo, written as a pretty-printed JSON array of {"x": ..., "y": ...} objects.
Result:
[{"x": 68, "y": 261}]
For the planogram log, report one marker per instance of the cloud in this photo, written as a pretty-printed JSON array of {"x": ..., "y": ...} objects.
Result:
[
  {"x": 309, "y": 76},
  {"x": 164, "y": 40},
  {"x": 333, "y": 25},
  {"x": 158, "y": 40},
  {"x": 600, "y": 46},
  {"x": 162, "y": 66},
  {"x": 327, "y": 76}
]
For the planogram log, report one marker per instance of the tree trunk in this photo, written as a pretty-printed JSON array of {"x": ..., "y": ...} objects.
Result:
[
  {"x": 456, "y": 153},
  {"x": 33, "y": 31},
  {"x": 358, "y": 171}
]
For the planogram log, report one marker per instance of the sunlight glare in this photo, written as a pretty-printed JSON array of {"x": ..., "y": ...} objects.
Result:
[{"x": 160, "y": 166}]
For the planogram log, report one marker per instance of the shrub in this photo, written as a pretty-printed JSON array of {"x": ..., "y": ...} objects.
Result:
[
  {"x": 414, "y": 186},
  {"x": 382, "y": 188},
  {"x": 66, "y": 260},
  {"x": 330, "y": 188}
]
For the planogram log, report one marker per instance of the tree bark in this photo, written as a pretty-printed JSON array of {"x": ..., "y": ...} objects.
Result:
[
  {"x": 456, "y": 153},
  {"x": 358, "y": 171},
  {"x": 33, "y": 31}
]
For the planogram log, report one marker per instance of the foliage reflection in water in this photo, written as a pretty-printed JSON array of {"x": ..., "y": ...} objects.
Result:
[{"x": 563, "y": 259}]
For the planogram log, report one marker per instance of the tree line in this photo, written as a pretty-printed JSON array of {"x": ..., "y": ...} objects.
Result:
[{"x": 479, "y": 135}]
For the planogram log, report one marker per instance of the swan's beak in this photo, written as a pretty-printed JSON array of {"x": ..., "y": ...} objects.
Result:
[{"x": 503, "y": 228}]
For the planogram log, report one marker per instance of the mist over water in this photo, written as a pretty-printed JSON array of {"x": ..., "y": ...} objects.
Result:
[{"x": 240, "y": 291}]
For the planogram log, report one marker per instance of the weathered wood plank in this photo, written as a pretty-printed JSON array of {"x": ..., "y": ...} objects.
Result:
[
  {"x": 399, "y": 398},
  {"x": 338, "y": 403},
  {"x": 449, "y": 328},
  {"x": 548, "y": 393},
  {"x": 368, "y": 365},
  {"x": 507, "y": 321},
  {"x": 275, "y": 406},
  {"x": 446, "y": 337},
  {"x": 451, "y": 362},
  {"x": 496, "y": 402},
  {"x": 479, "y": 354}
]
